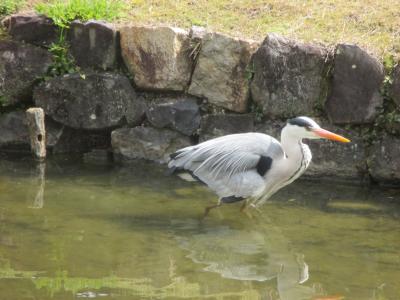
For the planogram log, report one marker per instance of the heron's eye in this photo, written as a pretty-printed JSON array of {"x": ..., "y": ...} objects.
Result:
[{"x": 308, "y": 127}]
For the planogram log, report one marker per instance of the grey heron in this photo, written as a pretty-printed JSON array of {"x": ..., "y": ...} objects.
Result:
[{"x": 250, "y": 166}]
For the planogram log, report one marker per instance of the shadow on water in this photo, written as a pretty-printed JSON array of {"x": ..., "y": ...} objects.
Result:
[{"x": 121, "y": 232}]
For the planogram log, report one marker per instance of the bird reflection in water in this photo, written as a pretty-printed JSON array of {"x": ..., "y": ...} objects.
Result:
[{"x": 261, "y": 254}]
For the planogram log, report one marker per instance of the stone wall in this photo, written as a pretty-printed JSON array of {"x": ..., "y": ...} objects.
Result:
[{"x": 143, "y": 92}]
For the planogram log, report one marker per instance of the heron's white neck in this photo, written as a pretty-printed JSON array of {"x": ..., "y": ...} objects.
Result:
[{"x": 291, "y": 144}]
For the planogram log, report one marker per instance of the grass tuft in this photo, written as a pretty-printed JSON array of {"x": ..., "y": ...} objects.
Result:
[
  {"x": 63, "y": 62},
  {"x": 8, "y": 7},
  {"x": 63, "y": 12}
]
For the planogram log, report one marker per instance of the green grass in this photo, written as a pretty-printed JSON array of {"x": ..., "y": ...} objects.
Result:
[
  {"x": 63, "y": 12},
  {"x": 63, "y": 63},
  {"x": 8, "y": 7}
]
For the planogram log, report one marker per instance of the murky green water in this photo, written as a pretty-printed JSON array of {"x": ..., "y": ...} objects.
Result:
[{"x": 106, "y": 232}]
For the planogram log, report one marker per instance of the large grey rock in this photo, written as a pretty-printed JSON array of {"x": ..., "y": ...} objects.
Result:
[
  {"x": 14, "y": 130},
  {"x": 222, "y": 71},
  {"x": 32, "y": 28},
  {"x": 146, "y": 143},
  {"x": 157, "y": 57},
  {"x": 289, "y": 77},
  {"x": 357, "y": 78},
  {"x": 21, "y": 65},
  {"x": 180, "y": 114},
  {"x": 384, "y": 160},
  {"x": 395, "y": 88},
  {"x": 93, "y": 44},
  {"x": 213, "y": 126},
  {"x": 337, "y": 160},
  {"x": 98, "y": 101}
]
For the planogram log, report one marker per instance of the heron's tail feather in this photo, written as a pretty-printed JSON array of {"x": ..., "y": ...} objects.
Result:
[{"x": 181, "y": 157}]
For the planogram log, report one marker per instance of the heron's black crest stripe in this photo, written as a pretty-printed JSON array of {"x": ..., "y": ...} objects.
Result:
[
  {"x": 231, "y": 199},
  {"x": 264, "y": 164},
  {"x": 300, "y": 122}
]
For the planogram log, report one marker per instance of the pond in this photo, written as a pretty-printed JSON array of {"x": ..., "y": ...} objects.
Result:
[{"x": 77, "y": 230}]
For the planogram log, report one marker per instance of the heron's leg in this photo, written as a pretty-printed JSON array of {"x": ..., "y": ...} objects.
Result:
[
  {"x": 248, "y": 207},
  {"x": 244, "y": 209},
  {"x": 244, "y": 206},
  {"x": 208, "y": 208},
  {"x": 256, "y": 208}
]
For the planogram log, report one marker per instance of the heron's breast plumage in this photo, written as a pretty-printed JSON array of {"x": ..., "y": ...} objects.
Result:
[{"x": 285, "y": 171}]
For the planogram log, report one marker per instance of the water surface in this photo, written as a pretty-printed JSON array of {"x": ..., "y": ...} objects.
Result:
[{"x": 75, "y": 230}]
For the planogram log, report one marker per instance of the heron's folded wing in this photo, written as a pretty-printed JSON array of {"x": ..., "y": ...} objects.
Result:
[{"x": 230, "y": 165}]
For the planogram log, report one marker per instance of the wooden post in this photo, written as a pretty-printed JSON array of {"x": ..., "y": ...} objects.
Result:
[{"x": 37, "y": 131}]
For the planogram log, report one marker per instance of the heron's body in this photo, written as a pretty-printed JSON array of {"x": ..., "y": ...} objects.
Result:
[{"x": 250, "y": 166}]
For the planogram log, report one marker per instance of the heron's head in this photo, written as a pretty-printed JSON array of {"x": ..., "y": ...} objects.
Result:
[{"x": 307, "y": 128}]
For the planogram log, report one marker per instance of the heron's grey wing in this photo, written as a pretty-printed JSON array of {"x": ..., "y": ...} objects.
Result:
[{"x": 232, "y": 165}]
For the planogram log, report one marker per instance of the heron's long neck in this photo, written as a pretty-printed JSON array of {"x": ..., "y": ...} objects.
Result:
[{"x": 292, "y": 145}]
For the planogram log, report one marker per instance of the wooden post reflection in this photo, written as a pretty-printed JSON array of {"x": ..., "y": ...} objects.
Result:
[{"x": 38, "y": 202}]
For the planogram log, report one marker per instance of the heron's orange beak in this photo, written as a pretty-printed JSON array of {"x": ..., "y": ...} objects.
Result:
[{"x": 330, "y": 135}]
